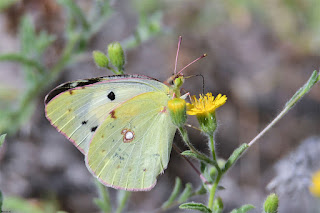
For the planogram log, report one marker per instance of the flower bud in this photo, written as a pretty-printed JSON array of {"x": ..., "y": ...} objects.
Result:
[
  {"x": 116, "y": 55},
  {"x": 271, "y": 204},
  {"x": 100, "y": 59},
  {"x": 177, "y": 109}
]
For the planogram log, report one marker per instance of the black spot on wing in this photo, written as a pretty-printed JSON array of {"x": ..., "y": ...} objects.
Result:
[
  {"x": 84, "y": 122},
  {"x": 111, "y": 96},
  {"x": 93, "y": 129}
]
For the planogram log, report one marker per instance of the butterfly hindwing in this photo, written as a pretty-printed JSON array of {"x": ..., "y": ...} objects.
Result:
[
  {"x": 132, "y": 146},
  {"x": 78, "y": 108}
]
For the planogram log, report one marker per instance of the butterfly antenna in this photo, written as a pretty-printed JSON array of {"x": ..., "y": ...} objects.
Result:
[
  {"x": 204, "y": 55},
  {"x": 190, "y": 76},
  {"x": 175, "y": 64}
]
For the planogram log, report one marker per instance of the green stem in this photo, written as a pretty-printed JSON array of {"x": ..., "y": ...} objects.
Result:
[
  {"x": 215, "y": 163},
  {"x": 212, "y": 148},
  {"x": 201, "y": 156},
  {"x": 213, "y": 190}
]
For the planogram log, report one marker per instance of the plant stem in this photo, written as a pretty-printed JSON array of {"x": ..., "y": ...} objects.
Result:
[
  {"x": 201, "y": 156},
  {"x": 212, "y": 148},
  {"x": 213, "y": 190},
  {"x": 281, "y": 114},
  {"x": 215, "y": 163}
]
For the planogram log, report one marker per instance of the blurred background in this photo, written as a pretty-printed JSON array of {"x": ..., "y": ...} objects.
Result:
[{"x": 259, "y": 54}]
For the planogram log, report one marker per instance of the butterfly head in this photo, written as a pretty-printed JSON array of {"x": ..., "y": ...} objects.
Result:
[{"x": 175, "y": 82}]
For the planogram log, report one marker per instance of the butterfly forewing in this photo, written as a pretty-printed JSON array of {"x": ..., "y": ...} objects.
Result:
[
  {"x": 133, "y": 144},
  {"x": 78, "y": 108}
]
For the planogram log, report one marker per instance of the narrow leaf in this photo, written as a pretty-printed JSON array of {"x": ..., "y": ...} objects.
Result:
[
  {"x": 76, "y": 12},
  {"x": 122, "y": 198},
  {"x": 202, "y": 190},
  {"x": 234, "y": 157},
  {"x": 27, "y": 36},
  {"x": 314, "y": 78},
  {"x": 2, "y": 137},
  {"x": 189, "y": 153},
  {"x": 103, "y": 202},
  {"x": 203, "y": 167},
  {"x": 187, "y": 192},
  {"x": 195, "y": 206},
  {"x": 243, "y": 209},
  {"x": 23, "y": 60},
  {"x": 174, "y": 194},
  {"x": 1, "y": 199}
]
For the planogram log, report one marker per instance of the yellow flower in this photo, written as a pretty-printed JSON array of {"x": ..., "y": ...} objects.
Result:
[
  {"x": 315, "y": 186},
  {"x": 204, "y": 109},
  {"x": 206, "y": 104}
]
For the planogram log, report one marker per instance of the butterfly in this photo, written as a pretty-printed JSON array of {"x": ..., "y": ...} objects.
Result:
[{"x": 120, "y": 123}]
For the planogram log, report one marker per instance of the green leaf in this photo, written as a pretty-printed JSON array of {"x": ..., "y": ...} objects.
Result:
[
  {"x": 187, "y": 192},
  {"x": 314, "y": 78},
  {"x": 4, "y": 4},
  {"x": 103, "y": 202},
  {"x": 202, "y": 190},
  {"x": 23, "y": 60},
  {"x": 174, "y": 194},
  {"x": 189, "y": 153},
  {"x": 149, "y": 26},
  {"x": 217, "y": 205},
  {"x": 15, "y": 204},
  {"x": 243, "y": 209},
  {"x": 43, "y": 41},
  {"x": 122, "y": 198},
  {"x": 27, "y": 36},
  {"x": 203, "y": 167},
  {"x": 76, "y": 13},
  {"x": 195, "y": 206},
  {"x": 102, "y": 205},
  {"x": 234, "y": 156},
  {"x": 2, "y": 137},
  {"x": 1, "y": 198}
]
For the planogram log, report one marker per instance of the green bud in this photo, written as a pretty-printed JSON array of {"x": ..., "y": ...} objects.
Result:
[
  {"x": 177, "y": 109},
  {"x": 208, "y": 123},
  {"x": 100, "y": 59},
  {"x": 116, "y": 55},
  {"x": 271, "y": 204},
  {"x": 217, "y": 205}
]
